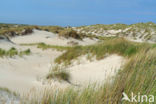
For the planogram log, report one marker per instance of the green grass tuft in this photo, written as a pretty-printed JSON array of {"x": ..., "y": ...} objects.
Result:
[
  {"x": 45, "y": 46},
  {"x": 13, "y": 51},
  {"x": 60, "y": 75}
]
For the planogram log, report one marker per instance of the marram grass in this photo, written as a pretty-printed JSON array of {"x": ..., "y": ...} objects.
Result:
[
  {"x": 12, "y": 52},
  {"x": 138, "y": 76}
]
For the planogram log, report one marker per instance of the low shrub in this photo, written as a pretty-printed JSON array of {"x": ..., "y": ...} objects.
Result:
[
  {"x": 60, "y": 75},
  {"x": 70, "y": 33}
]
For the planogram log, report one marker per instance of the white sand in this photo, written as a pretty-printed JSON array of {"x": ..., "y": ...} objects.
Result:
[
  {"x": 6, "y": 45},
  {"x": 88, "y": 72},
  {"x": 21, "y": 73}
]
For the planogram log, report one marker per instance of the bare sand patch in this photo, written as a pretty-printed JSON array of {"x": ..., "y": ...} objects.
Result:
[{"x": 97, "y": 71}]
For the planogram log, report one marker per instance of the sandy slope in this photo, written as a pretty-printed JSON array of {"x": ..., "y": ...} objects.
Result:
[
  {"x": 21, "y": 73},
  {"x": 87, "y": 72}
]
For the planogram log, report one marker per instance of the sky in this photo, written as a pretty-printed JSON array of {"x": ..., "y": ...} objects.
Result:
[{"x": 77, "y": 12}]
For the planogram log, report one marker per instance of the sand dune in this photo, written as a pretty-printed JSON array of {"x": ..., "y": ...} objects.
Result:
[
  {"x": 22, "y": 74},
  {"x": 89, "y": 72},
  {"x": 49, "y": 38}
]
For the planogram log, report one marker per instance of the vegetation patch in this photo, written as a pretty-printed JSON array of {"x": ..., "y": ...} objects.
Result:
[
  {"x": 13, "y": 51},
  {"x": 16, "y": 30},
  {"x": 59, "y": 74},
  {"x": 45, "y": 46},
  {"x": 70, "y": 33},
  {"x": 53, "y": 29},
  {"x": 26, "y": 52},
  {"x": 118, "y": 46}
]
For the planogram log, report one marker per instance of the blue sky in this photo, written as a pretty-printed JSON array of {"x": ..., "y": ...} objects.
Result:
[{"x": 77, "y": 12}]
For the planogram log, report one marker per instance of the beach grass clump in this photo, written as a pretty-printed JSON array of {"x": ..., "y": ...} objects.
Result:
[
  {"x": 70, "y": 33},
  {"x": 58, "y": 73},
  {"x": 13, "y": 51},
  {"x": 154, "y": 46},
  {"x": 2, "y": 52},
  {"x": 58, "y": 48},
  {"x": 25, "y": 52}
]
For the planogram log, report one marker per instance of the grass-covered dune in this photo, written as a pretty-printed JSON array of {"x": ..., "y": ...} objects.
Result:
[
  {"x": 118, "y": 46},
  {"x": 139, "y": 31},
  {"x": 18, "y": 29},
  {"x": 138, "y": 75},
  {"x": 11, "y": 30}
]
